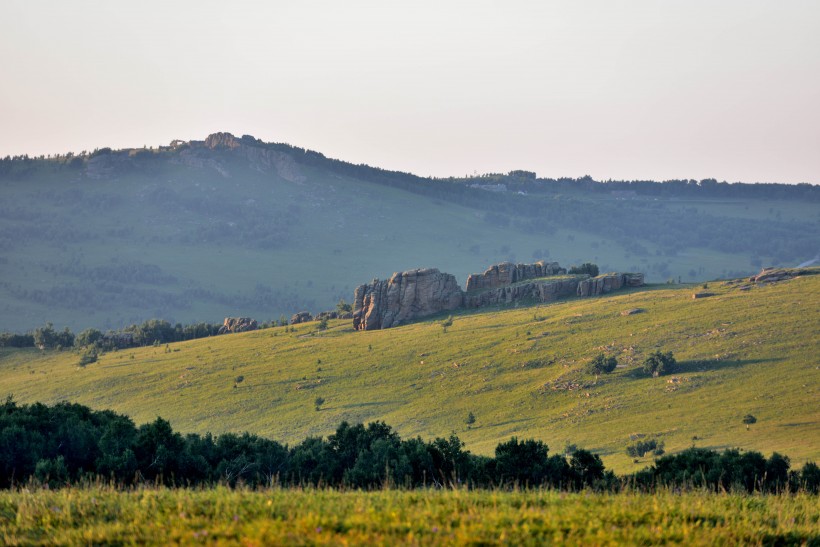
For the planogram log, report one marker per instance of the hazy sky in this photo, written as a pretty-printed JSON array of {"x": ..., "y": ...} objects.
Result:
[{"x": 613, "y": 89}]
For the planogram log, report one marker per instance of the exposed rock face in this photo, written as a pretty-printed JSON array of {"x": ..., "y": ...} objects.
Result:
[
  {"x": 773, "y": 275},
  {"x": 633, "y": 279},
  {"x": 608, "y": 282},
  {"x": 237, "y": 324},
  {"x": 260, "y": 157},
  {"x": 404, "y": 297},
  {"x": 418, "y": 293},
  {"x": 540, "y": 291},
  {"x": 301, "y": 317},
  {"x": 507, "y": 273}
]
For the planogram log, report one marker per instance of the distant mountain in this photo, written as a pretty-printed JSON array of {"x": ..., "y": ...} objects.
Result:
[{"x": 235, "y": 226}]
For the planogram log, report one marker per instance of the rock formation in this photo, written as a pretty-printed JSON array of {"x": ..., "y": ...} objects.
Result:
[
  {"x": 237, "y": 324},
  {"x": 301, "y": 317},
  {"x": 404, "y": 297},
  {"x": 419, "y": 293},
  {"x": 507, "y": 273},
  {"x": 539, "y": 291},
  {"x": 773, "y": 275}
]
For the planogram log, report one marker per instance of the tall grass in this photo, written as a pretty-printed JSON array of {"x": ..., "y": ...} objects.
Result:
[{"x": 101, "y": 515}]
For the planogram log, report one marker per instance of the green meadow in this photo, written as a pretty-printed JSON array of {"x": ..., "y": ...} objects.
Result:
[
  {"x": 518, "y": 370},
  {"x": 220, "y": 516}
]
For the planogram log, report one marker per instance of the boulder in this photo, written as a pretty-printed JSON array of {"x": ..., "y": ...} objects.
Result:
[
  {"x": 237, "y": 324},
  {"x": 301, "y": 317},
  {"x": 608, "y": 282},
  {"x": 406, "y": 296}
]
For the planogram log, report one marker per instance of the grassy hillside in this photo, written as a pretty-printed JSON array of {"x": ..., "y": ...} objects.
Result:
[
  {"x": 517, "y": 370},
  {"x": 196, "y": 233}
]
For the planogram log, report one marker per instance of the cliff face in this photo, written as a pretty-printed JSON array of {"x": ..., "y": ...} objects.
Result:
[
  {"x": 507, "y": 273},
  {"x": 539, "y": 291},
  {"x": 416, "y": 294},
  {"x": 404, "y": 297}
]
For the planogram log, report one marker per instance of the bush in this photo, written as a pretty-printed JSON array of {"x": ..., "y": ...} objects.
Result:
[
  {"x": 585, "y": 268},
  {"x": 601, "y": 364},
  {"x": 639, "y": 449},
  {"x": 88, "y": 357},
  {"x": 658, "y": 363}
]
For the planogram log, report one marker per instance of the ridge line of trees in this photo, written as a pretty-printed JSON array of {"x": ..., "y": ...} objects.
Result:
[{"x": 69, "y": 443}]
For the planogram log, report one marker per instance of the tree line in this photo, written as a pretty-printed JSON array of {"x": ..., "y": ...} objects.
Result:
[
  {"x": 147, "y": 333},
  {"x": 69, "y": 443}
]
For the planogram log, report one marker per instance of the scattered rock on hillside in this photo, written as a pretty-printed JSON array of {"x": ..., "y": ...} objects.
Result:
[
  {"x": 301, "y": 317},
  {"x": 773, "y": 275},
  {"x": 633, "y": 311},
  {"x": 237, "y": 324},
  {"x": 698, "y": 295},
  {"x": 406, "y": 296}
]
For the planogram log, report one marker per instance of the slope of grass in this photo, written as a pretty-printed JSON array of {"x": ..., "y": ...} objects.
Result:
[
  {"x": 427, "y": 517},
  {"x": 519, "y": 371}
]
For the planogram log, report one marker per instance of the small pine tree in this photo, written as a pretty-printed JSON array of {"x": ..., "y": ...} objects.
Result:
[
  {"x": 470, "y": 420},
  {"x": 318, "y": 403}
]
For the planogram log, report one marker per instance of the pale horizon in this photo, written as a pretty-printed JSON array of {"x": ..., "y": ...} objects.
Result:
[{"x": 626, "y": 91}]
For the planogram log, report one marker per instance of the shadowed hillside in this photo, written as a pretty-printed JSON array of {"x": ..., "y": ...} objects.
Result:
[{"x": 196, "y": 231}]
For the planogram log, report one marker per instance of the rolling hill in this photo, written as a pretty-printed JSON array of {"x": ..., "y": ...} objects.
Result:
[
  {"x": 200, "y": 230},
  {"x": 518, "y": 370}
]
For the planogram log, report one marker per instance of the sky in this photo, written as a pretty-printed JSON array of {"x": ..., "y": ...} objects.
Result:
[{"x": 642, "y": 89}]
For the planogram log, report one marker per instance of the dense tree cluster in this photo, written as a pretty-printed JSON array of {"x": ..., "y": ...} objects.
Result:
[
  {"x": 730, "y": 470},
  {"x": 67, "y": 443},
  {"x": 150, "y": 332}
]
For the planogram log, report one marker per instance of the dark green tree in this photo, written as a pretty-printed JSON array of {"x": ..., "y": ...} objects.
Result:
[
  {"x": 585, "y": 268},
  {"x": 659, "y": 363},
  {"x": 601, "y": 364}
]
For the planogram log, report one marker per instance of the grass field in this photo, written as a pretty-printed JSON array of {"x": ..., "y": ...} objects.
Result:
[
  {"x": 325, "y": 517},
  {"x": 519, "y": 371}
]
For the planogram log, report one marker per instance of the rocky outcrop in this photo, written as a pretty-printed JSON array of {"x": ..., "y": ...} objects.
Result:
[
  {"x": 773, "y": 275},
  {"x": 301, "y": 317},
  {"x": 633, "y": 279},
  {"x": 261, "y": 158},
  {"x": 415, "y": 294},
  {"x": 406, "y": 296},
  {"x": 237, "y": 324},
  {"x": 507, "y": 273},
  {"x": 537, "y": 291},
  {"x": 608, "y": 282}
]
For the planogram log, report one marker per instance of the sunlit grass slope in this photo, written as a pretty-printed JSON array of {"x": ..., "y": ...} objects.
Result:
[{"x": 519, "y": 371}]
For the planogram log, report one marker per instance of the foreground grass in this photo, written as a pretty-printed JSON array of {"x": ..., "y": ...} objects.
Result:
[{"x": 278, "y": 516}]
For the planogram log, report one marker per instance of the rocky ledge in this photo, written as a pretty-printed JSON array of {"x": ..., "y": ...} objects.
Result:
[{"x": 415, "y": 294}]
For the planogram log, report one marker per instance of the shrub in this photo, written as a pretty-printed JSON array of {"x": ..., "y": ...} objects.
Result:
[
  {"x": 585, "y": 268},
  {"x": 88, "y": 357},
  {"x": 658, "y": 363},
  {"x": 602, "y": 364}
]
